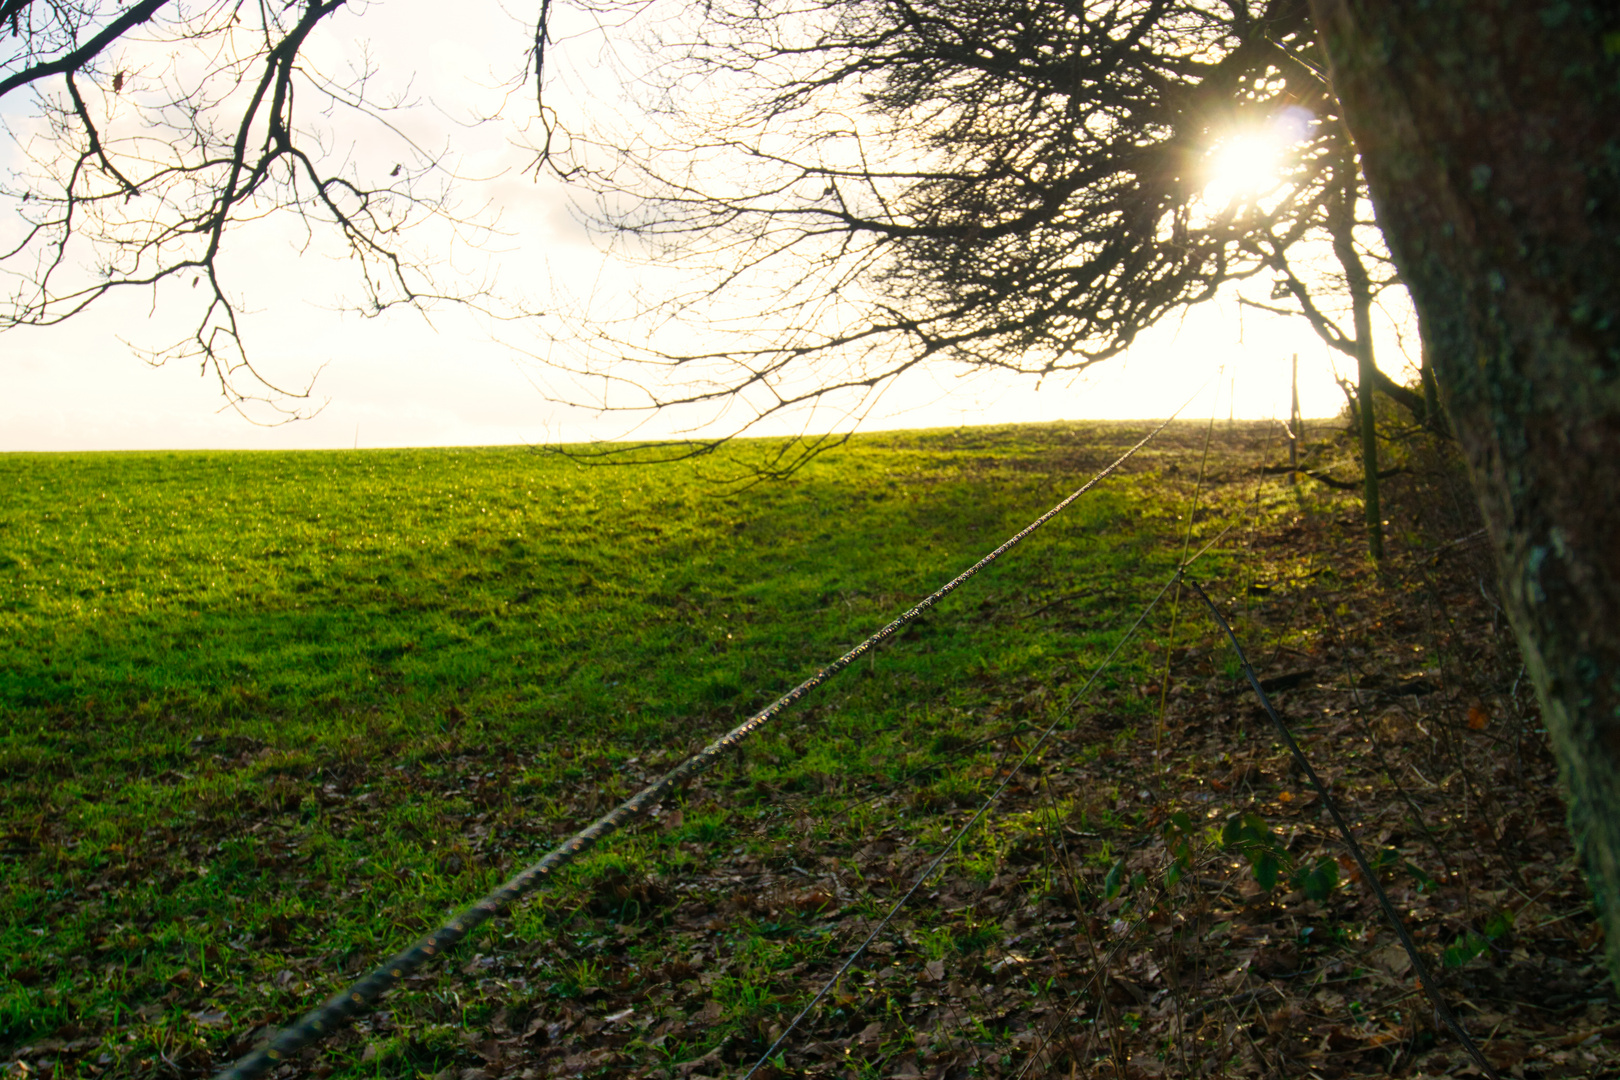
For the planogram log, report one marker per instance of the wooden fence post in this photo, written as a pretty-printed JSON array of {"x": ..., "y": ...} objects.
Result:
[{"x": 1295, "y": 422}]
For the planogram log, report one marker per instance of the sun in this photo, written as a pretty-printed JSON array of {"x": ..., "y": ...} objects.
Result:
[
  {"x": 1250, "y": 162},
  {"x": 1242, "y": 168}
]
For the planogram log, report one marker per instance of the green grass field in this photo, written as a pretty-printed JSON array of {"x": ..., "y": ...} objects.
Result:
[{"x": 265, "y": 716}]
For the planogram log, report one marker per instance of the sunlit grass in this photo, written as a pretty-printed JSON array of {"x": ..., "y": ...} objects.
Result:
[{"x": 250, "y": 702}]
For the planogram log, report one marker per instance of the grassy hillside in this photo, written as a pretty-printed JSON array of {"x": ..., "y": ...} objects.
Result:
[
  {"x": 194, "y": 643},
  {"x": 266, "y": 717},
  {"x": 237, "y": 590}
]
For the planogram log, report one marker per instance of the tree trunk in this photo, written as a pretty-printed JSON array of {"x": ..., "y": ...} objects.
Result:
[
  {"x": 1342, "y": 224},
  {"x": 1408, "y": 399},
  {"x": 1365, "y": 381},
  {"x": 1432, "y": 417},
  {"x": 1490, "y": 136}
]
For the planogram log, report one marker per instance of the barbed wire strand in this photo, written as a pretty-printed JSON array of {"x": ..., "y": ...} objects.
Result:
[
  {"x": 1069, "y": 1013},
  {"x": 1369, "y": 875},
  {"x": 984, "y": 808},
  {"x": 1100, "y": 973},
  {"x": 338, "y": 1010},
  {"x": 1071, "y": 1010},
  {"x": 967, "y": 826}
]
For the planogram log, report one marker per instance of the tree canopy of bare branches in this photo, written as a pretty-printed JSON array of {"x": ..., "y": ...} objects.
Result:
[
  {"x": 856, "y": 187},
  {"x": 156, "y": 143}
]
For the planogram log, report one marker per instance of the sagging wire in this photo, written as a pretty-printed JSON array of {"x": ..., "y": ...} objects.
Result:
[
  {"x": 1175, "y": 609},
  {"x": 967, "y": 826},
  {"x": 341, "y": 1008},
  {"x": 984, "y": 808},
  {"x": 1101, "y": 971}
]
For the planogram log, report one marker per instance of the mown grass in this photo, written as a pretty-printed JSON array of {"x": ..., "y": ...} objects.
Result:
[{"x": 263, "y": 716}]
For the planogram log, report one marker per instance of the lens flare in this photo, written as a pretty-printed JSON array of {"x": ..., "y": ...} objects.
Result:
[
  {"x": 1242, "y": 169},
  {"x": 1248, "y": 165}
]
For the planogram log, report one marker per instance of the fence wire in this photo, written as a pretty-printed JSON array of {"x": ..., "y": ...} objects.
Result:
[
  {"x": 342, "y": 1008},
  {"x": 967, "y": 826},
  {"x": 1368, "y": 874}
]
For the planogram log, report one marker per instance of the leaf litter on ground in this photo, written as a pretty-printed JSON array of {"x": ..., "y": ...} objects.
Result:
[{"x": 1158, "y": 895}]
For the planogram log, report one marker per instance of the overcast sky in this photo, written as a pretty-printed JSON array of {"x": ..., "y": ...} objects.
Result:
[{"x": 402, "y": 380}]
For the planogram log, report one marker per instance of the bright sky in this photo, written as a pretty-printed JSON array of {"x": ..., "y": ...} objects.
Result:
[{"x": 400, "y": 380}]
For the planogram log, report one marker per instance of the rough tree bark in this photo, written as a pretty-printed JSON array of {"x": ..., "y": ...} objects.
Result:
[{"x": 1490, "y": 133}]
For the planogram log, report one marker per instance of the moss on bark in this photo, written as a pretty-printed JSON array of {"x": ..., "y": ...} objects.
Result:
[{"x": 1490, "y": 136}]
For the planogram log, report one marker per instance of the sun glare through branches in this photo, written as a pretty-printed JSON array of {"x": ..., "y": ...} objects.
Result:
[{"x": 1249, "y": 164}]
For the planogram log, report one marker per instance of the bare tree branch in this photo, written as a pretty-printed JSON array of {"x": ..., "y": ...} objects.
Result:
[
  {"x": 858, "y": 187},
  {"x": 152, "y": 154},
  {"x": 78, "y": 58}
]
